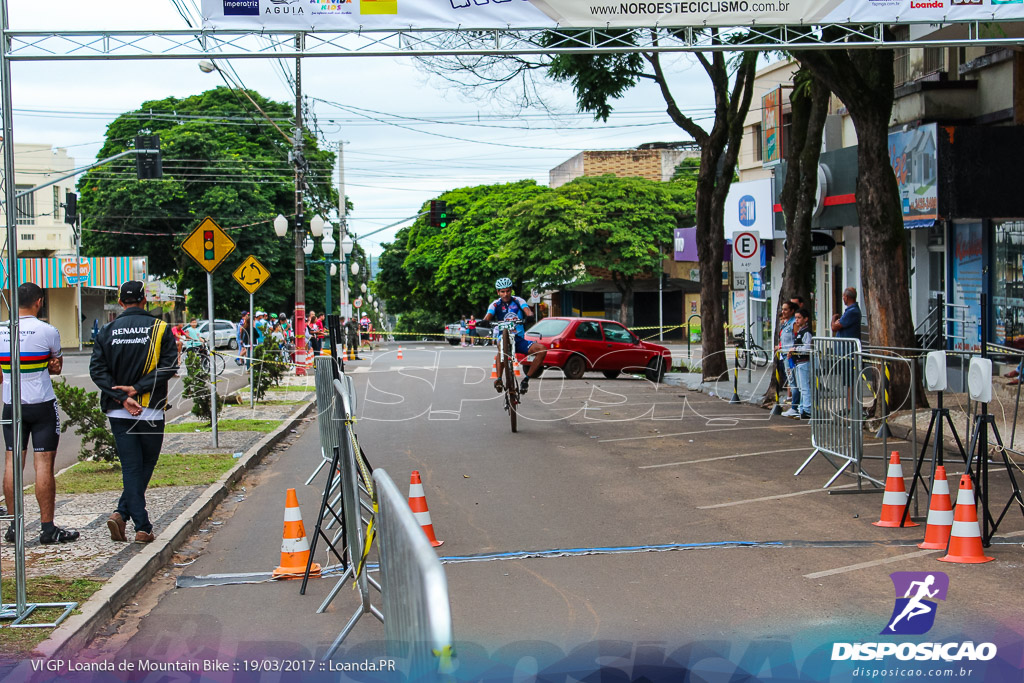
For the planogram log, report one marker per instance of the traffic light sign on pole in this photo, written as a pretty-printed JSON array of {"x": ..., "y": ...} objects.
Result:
[
  {"x": 438, "y": 213},
  {"x": 149, "y": 164},
  {"x": 209, "y": 245}
]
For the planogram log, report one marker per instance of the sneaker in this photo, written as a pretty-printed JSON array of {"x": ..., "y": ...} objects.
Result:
[
  {"x": 116, "y": 525},
  {"x": 524, "y": 385},
  {"x": 499, "y": 386},
  {"x": 791, "y": 413},
  {"x": 144, "y": 537},
  {"x": 58, "y": 535},
  {"x": 805, "y": 416},
  {"x": 9, "y": 534}
]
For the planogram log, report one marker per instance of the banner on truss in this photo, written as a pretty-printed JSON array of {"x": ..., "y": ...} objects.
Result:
[{"x": 351, "y": 15}]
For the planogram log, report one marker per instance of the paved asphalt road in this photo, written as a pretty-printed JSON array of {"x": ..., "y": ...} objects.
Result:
[
  {"x": 597, "y": 463},
  {"x": 76, "y": 373}
]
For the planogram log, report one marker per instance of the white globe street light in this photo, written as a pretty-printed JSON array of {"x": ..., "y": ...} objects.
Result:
[
  {"x": 280, "y": 225},
  {"x": 355, "y": 269},
  {"x": 334, "y": 270},
  {"x": 329, "y": 245},
  {"x": 316, "y": 225},
  {"x": 346, "y": 245},
  {"x": 307, "y": 246},
  {"x": 362, "y": 288}
]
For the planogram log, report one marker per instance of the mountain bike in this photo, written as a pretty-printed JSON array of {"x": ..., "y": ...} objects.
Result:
[
  {"x": 206, "y": 358},
  {"x": 749, "y": 351}
]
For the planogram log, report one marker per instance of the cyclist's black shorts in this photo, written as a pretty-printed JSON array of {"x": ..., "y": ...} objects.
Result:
[{"x": 41, "y": 420}]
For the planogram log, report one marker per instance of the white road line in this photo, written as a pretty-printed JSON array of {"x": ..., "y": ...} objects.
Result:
[
  {"x": 723, "y": 457},
  {"x": 872, "y": 563},
  {"x": 761, "y": 500},
  {"x": 702, "y": 431}
]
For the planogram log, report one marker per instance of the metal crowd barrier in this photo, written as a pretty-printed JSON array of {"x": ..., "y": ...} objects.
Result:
[
  {"x": 417, "y": 613},
  {"x": 323, "y": 379},
  {"x": 836, "y": 399}
]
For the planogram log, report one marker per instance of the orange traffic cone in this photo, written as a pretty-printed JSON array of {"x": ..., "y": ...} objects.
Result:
[
  {"x": 965, "y": 537},
  {"x": 494, "y": 370},
  {"x": 894, "y": 500},
  {"x": 940, "y": 514},
  {"x": 418, "y": 503},
  {"x": 294, "y": 546},
  {"x": 399, "y": 353},
  {"x": 516, "y": 365}
]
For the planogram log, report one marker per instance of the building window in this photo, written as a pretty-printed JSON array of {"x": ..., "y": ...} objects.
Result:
[
  {"x": 901, "y": 56},
  {"x": 1008, "y": 284},
  {"x": 934, "y": 59},
  {"x": 26, "y": 237},
  {"x": 758, "y": 142},
  {"x": 25, "y": 207},
  {"x": 56, "y": 203}
]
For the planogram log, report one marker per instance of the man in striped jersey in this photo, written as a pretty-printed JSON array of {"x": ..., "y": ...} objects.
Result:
[{"x": 40, "y": 356}]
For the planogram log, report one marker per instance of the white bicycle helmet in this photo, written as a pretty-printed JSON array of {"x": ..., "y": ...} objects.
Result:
[{"x": 503, "y": 283}]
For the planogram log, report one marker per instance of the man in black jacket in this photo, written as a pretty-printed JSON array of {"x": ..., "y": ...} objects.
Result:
[{"x": 133, "y": 360}]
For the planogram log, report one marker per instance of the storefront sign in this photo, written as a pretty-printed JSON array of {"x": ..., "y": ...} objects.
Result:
[
  {"x": 748, "y": 207},
  {"x": 968, "y": 279},
  {"x": 685, "y": 245},
  {"x": 914, "y": 161},
  {"x": 76, "y": 273},
  {"x": 771, "y": 127}
]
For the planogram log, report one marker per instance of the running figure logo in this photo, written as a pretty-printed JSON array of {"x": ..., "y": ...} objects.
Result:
[{"x": 916, "y": 593}]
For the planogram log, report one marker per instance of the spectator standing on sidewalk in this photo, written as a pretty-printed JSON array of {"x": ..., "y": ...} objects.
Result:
[
  {"x": 787, "y": 337},
  {"x": 40, "y": 355},
  {"x": 801, "y": 355},
  {"x": 847, "y": 325},
  {"x": 132, "y": 362}
]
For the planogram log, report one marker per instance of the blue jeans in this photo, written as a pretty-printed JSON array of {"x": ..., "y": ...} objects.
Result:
[
  {"x": 803, "y": 381},
  {"x": 138, "y": 448}
]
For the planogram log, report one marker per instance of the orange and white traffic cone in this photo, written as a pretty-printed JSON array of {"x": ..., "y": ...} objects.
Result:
[
  {"x": 894, "y": 500},
  {"x": 294, "y": 546},
  {"x": 494, "y": 370},
  {"x": 399, "y": 353},
  {"x": 940, "y": 514},
  {"x": 418, "y": 503},
  {"x": 965, "y": 537},
  {"x": 518, "y": 374}
]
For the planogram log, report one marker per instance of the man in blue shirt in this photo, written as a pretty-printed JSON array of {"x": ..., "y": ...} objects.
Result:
[
  {"x": 508, "y": 307},
  {"x": 847, "y": 325}
]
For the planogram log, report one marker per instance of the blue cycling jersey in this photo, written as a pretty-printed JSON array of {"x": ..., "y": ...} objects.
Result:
[{"x": 513, "y": 310}]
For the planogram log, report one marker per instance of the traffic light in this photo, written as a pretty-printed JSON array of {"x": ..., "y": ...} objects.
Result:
[
  {"x": 70, "y": 208},
  {"x": 208, "y": 253},
  {"x": 438, "y": 213},
  {"x": 148, "y": 165}
]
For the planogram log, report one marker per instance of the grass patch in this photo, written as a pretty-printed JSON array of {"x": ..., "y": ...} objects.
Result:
[
  {"x": 285, "y": 387},
  {"x": 17, "y": 643},
  {"x": 172, "y": 469},
  {"x": 246, "y": 425}
]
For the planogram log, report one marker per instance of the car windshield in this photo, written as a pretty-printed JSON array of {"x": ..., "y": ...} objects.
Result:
[{"x": 548, "y": 328}]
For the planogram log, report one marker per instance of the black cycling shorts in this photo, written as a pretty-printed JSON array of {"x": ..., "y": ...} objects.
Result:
[{"x": 41, "y": 420}]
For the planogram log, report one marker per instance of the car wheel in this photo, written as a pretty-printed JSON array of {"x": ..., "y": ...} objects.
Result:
[
  {"x": 611, "y": 374},
  {"x": 232, "y": 344},
  {"x": 575, "y": 366},
  {"x": 655, "y": 369}
]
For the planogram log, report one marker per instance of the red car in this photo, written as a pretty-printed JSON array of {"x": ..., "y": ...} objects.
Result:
[{"x": 577, "y": 345}]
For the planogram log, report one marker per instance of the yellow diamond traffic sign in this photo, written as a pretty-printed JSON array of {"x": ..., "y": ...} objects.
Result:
[
  {"x": 251, "y": 274},
  {"x": 209, "y": 245}
]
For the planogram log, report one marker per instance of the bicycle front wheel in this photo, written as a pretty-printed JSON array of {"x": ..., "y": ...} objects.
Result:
[
  {"x": 511, "y": 390},
  {"x": 218, "y": 363},
  {"x": 758, "y": 356},
  {"x": 741, "y": 357}
]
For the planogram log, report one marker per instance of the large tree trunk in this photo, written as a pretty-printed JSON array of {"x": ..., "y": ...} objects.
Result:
[
  {"x": 863, "y": 79},
  {"x": 710, "y": 245},
  {"x": 809, "y": 110}
]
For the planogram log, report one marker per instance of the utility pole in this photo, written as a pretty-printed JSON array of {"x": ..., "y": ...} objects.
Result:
[
  {"x": 300, "y": 226},
  {"x": 342, "y": 229}
]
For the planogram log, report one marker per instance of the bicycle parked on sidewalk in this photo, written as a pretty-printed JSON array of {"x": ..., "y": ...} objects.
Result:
[{"x": 749, "y": 351}]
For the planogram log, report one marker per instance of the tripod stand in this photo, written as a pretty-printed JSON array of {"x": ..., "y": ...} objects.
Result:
[
  {"x": 979, "y": 450},
  {"x": 940, "y": 414}
]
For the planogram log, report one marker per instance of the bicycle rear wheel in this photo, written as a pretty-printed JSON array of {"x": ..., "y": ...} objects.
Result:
[
  {"x": 511, "y": 389},
  {"x": 218, "y": 362},
  {"x": 758, "y": 356},
  {"x": 741, "y": 356}
]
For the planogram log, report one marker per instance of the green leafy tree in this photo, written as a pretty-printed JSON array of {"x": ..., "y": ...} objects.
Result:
[
  {"x": 270, "y": 367},
  {"x": 221, "y": 159},
  {"x": 599, "y": 227},
  {"x": 85, "y": 415}
]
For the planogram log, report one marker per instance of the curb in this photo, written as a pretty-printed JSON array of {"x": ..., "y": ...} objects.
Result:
[{"x": 79, "y": 629}]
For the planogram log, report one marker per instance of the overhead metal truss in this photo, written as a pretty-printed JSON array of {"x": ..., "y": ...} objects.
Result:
[{"x": 235, "y": 44}]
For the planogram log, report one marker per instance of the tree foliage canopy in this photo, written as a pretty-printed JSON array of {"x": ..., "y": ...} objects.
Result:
[
  {"x": 221, "y": 159},
  {"x": 535, "y": 235}
]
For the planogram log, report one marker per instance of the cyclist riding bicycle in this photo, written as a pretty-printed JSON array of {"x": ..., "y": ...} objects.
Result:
[
  {"x": 508, "y": 307},
  {"x": 191, "y": 337}
]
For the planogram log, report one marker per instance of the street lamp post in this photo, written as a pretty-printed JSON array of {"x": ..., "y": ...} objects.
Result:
[
  {"x": 330, "y": 245},
  {"x": 281, "y": 228}
]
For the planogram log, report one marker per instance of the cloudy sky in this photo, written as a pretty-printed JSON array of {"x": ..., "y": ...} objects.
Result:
[{"x": 408, "y": 135}]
